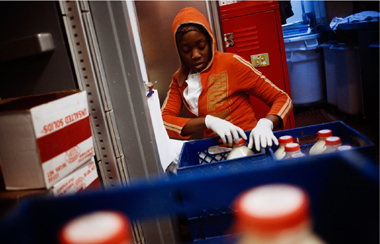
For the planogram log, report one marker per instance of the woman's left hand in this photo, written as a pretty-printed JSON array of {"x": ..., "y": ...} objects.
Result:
[{"x": 262, "y": 135}]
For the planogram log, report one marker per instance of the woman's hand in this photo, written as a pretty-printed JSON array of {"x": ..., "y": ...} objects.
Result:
[
  {"x": 226, "y": 130},
  {"x": 262, "y": 135}
]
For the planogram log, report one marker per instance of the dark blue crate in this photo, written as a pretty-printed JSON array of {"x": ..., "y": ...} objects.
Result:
[
  {"x": 307, "y": 136},
  {"x": 195, "y": 159},
  {"x": 192, "y": 164},
  {"x": 343, "y": 190},
  {"x": 202, "y": 223}
]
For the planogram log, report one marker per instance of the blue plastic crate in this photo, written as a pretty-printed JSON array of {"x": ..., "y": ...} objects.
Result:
[
  {"x": 343, "y": 189},
  {"x": 197, "y": 159},
  {"x": 307, "y": 136}
]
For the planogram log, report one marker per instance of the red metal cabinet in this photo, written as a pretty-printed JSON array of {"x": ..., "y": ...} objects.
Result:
[{"x": 256, "y": 30}]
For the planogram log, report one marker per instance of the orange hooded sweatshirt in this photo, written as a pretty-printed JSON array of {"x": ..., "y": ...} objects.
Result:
[{"x": 227, "y": 82}]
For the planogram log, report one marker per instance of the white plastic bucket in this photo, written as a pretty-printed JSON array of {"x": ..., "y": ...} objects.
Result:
[
  {"x": 305, "y": 67},
  {"x": 348, "y": 79}
]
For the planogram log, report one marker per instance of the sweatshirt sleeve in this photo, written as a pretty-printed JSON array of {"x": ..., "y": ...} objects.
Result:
[
  {"x": 254, "y": 83},
  {"x": 171, "y": 109}
]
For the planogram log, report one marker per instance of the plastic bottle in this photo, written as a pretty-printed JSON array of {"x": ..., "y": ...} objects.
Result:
[
  {"x": 319, "y": 146},
  {"x": 100, "y": 227},
  {"x": 239, "y": 150},
  {"x": 344, "y": 148},
  {"x": 332, "y": 143},
  {"x": 283, "y": 140},
  {"x": 291, "y": 148},
  {"x": 274, "y": 214},
  {"x": 297, "y": 155}
]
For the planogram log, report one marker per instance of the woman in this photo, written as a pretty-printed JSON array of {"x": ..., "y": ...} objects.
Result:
[{"x": 215, "y": 88}]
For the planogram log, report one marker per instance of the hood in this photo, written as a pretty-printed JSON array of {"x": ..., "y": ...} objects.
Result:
[{"x": 186, "y": 16}]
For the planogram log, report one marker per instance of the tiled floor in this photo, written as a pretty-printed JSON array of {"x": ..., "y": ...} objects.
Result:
[{"x": 323, "y": 112}]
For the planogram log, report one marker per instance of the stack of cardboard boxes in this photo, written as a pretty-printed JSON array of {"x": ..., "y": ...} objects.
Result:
[{"x": 46, "y": 143}]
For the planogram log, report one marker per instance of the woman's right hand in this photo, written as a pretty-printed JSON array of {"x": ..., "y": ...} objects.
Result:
[{"x": 226, "y": 130}]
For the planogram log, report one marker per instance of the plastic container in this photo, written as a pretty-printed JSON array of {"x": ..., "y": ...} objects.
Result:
[
  {"x": 290, "y": 149},
  {"x": 297, "y": 155},
  {"x": 283, "y": 140},
  {"x": 332, "y": 143},
  {"x": 204, "y": 158},
  {"x": 344, "y": 201},
  {"x": 305, "y": 66},
  {"x": 207, "y": 156},
  {"x": 348, "y": 79},
  {"x": 100, "y": 227},
  {"x": 307, "y": 136},
  {"x": 239, "y": 150},
  {"x": 275, "y": 214},
  {"x": 319, "y": 146},
  {"x": 330, "y": 72},
  {"x": 344, "y": 148}
]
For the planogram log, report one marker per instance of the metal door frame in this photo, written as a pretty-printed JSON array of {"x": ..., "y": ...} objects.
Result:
[{"x": 107, "y": 57}]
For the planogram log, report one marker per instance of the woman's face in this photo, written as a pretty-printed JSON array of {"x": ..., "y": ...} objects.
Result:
[{"x": 195, "y": 51}]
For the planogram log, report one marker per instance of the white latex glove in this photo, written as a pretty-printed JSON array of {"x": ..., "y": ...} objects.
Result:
[
  {"x": 262, "y": 134},
  {"x": 224, "y": 129}
]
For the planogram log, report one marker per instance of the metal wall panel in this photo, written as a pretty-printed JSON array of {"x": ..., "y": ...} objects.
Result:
[
  {"x": 126, "y": 86},
  {"x": 118, "y": 73},
  {"x": 86, "y": 59},
  {"x": 41, "y": 73}
]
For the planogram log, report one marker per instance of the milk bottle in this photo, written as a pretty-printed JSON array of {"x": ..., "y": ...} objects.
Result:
[
  {"x": 101, "y": 227},
  {"x": 274, "y": 214},
  {"x": 283, "y": 140},
  {"x": 319, "y": 146},
  {"x": 332, "y": 143},
  {"x": 239, "y": 150},
  {"x": 344, "y": 148},
  {"x": 291, "y": 148},
  {"x": 297, "y": 155}
]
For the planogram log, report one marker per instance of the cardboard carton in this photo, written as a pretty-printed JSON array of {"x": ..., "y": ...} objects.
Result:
[
  {"x": 83, "y": 178},
  {"x": 43, "y": 138}
]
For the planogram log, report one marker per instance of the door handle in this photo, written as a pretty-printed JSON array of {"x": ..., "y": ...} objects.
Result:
[{"x": 28, "y": 46}]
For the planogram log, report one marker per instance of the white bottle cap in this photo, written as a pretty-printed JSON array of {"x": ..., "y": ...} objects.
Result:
[
  {"x": 272, "y": 208},
  {"x": 100, "y": 227}
]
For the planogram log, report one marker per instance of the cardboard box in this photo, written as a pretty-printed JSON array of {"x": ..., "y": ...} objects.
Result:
[
  {"x": 84, "y": 178},
  {"x": 43, "y": 138}
]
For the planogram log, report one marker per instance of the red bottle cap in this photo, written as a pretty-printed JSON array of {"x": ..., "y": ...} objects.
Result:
[
  {"x": 324, "y": 133},
  {"x": 285, "y": 139},
  {"x": 100, "y": 227},
  {"x": 333, "y": 141},
  {"x": 240, "y": 142},
  {"x": 271, "y": 208},
  {"x": 292, "y": 147}
]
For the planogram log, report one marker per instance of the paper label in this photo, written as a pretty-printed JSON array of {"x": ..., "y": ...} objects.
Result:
[
  {"x": 63, "y": 164},
  {"x": 79, "y": 180},
  {"x": 56, "y": 115},
  {"x": 260, "y": 60}
]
